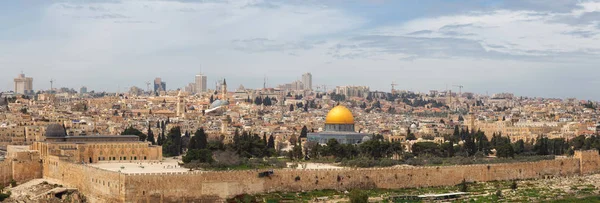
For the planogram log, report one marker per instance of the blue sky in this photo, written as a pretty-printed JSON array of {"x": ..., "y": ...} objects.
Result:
[{"x": 529, "y": 47}]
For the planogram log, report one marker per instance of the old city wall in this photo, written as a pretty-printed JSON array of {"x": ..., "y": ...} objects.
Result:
[
  {"x": 20, "y": 166},
  {"x": 208, "y": 185},
  {"x": 589, "y": 161},
  {"x": 110, "y": 186},
  {"x": 5, "y": 172},
  {"x": 97, "y": 184}
]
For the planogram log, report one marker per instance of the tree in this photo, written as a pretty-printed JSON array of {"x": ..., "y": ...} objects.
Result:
[
  {"x": 304, "y": 132},
  {"x": 332, "y": 148},
  {"x": 172, "y": 146},
  {"x": 200, "y": 155},
  {"x": 296, "y": 152},
  {"x": 291, "y": 107},
  {"x": 519, "y": 147},
  {"x": 150, "y": 137},
  {"x": 132, "y": 131},
  {"x": 271, "y": 142},
  {"x": 448, "y": 148},
  {"x": 470, "y": 145},
  {"x": 422, "y": 148},
  {"x": 199, "y": 141},
  {"x": 541, "y": 146},
  {"x": 464, "y": 187},
  {"x": 410, "y": 135},
  {"x": 505, "y": 150}
]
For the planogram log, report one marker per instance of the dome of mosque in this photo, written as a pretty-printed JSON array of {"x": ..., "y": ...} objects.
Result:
[
  {"x": 55, "y": 131},
  {"x": 339, "y": 115}
]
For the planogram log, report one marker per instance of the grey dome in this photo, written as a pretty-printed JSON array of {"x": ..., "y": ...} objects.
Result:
[
  {"x": 55, "y": 131},
  {"x": 366, "y": 139},
  {"x": 218, "y": 103}
]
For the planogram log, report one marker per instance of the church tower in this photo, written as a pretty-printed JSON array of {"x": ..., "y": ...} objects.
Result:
[{"x": 180, "y": 104}]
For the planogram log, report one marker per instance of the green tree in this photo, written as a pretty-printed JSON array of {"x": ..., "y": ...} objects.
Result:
[
  {"x": 504, "y": 151},
  {"x": 200, "y": 140},
  {"x": 541, "y": 146},
  {"x": 150, "y": 137},
  {"x": 172, "y": 145},
  {"x": 200, "y": 155},
  {"x": 519, "y": 147},
  {"x": 304, "y": 132},
  {"x": 133, "y": 131},
  {"x": 423, "y": 148}
]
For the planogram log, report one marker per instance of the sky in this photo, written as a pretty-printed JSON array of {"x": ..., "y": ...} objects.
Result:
[{"x": 535, "y": 48}]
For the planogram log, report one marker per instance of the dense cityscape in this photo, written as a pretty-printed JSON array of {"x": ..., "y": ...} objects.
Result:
[
  {"x": 275, "y": 101},
  {"x": 293, "y": 125}
]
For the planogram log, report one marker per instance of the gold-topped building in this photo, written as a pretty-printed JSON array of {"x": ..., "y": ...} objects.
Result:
[{"x": 339, "y": 125}]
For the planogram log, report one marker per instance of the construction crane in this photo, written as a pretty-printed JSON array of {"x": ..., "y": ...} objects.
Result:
[
  {"x": 460, "y": 87},
  {"x": 393, "y": 87},
  {"x": 148, "y": 86}
]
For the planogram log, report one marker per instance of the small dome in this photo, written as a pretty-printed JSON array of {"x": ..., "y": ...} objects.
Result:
[
  {"x": 366, "y": 139},
  {"x": 55, "y": 131},
  {"x": 339, "y": 115}
]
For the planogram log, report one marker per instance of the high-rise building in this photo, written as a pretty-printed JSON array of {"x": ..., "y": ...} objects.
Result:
[
  {"x": 83, "y": 90},
  {"x": 200, "y": 81},
  {"x": 23, "y": 85},
  {"x": 307, "y": 81},
  {"x": 352, "y": 91},
  {"x": 159, "y": 85}
]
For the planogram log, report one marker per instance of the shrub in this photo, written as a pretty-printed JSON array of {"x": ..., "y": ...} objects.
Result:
[
  {"x": 513, "y": 186},
  {"x": 464, "y": 187},
  {"x": 357, "y": 196}
]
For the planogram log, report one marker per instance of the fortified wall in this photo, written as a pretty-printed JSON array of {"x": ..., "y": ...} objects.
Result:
[
  {"x": 109, "y": 186},
  {"x": 20, "y": 165}
]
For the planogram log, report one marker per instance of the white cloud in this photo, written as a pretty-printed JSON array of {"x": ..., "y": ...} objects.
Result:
[{"x": 521, "y": 33}]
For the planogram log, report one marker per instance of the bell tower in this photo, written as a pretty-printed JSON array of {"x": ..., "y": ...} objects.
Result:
[{"x": 180, "y": 104}]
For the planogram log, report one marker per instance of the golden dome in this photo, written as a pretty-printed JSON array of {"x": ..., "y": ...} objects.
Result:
[{"x": 339, "y": 115}]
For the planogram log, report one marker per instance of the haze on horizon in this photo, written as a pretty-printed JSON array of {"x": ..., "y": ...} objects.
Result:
[{"x": 528, "y": 47}]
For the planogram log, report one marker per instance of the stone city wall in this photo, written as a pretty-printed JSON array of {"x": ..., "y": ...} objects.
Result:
[
  {"x": 5, "y": 172},
  {"x": 97, "y": 184},
  {"x": 195, "y": 185},
  {"x": 109, "y": 186}
]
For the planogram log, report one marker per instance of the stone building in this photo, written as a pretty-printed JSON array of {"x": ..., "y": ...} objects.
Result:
[
  {"x": 92, "y": 149},
  {"x": 339, "y": 125}
]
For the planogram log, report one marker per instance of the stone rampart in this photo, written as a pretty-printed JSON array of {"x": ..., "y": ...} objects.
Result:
[
  {"x": 93, "y": 182},
  {"x": 197, "y": 186},
  {"x": 193, "y": 185}
]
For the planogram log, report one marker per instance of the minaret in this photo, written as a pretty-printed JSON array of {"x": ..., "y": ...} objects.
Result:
[
  {"x": 225, "y": 124},
  {"x": 180, "y": 105},
  {"x": 224, "y": 90}
]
